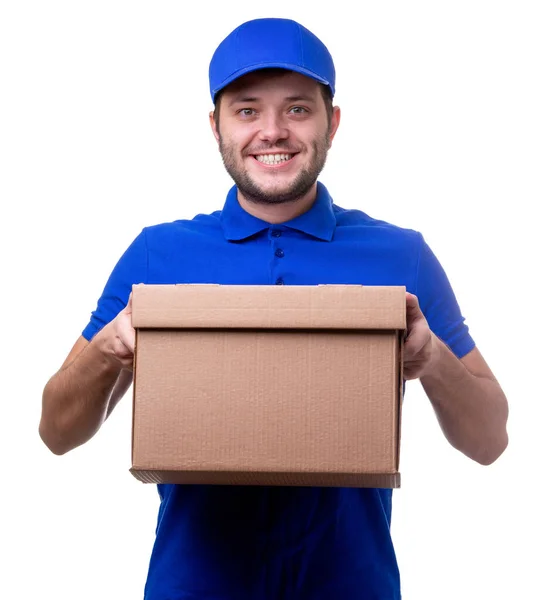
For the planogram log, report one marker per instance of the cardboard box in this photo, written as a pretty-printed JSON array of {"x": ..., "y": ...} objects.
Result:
[{"x": 268, "y": 385}]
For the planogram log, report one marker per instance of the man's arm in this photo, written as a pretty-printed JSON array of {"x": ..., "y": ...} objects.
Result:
[
  {"x": 93, "y": 378},
  {"x": 469, "y": 403}
]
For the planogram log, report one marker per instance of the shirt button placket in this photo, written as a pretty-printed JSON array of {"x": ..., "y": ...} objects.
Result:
[{"x": 279, "y": 253}]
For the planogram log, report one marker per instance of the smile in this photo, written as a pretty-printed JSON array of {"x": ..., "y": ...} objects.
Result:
[{"x": 273, "y": 159}]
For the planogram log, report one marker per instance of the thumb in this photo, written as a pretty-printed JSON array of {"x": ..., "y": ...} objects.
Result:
[
  {"x": 128, "y": 307},
  {"x": 413, "y": 314},
  {"x": 412, "y": 306}
]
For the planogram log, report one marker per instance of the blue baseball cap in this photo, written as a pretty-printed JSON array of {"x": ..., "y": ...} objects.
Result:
[{"x": 267, "y": 43}]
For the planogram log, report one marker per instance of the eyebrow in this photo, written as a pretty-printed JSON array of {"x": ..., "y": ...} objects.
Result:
[{"x": 251, "y": 99}]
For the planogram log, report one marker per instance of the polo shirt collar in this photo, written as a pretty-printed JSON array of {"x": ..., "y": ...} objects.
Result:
[{"x": 319, "y": 221}]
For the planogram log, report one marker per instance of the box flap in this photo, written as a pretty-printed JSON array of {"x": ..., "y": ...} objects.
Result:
[
  {"x": 361, "y": 480},
  {"x": 273, "y": 307}
]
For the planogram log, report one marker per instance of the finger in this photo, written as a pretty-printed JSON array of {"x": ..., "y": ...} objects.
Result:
[
  {"x": 129, "y": 340},
  {"x": 125, "y": 333},
  {"x": 128, "y": 306},
  {"x": 414, "y": 342},
  {"x": 412, "y": 305}
]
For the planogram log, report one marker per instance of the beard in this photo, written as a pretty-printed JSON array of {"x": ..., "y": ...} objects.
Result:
[{"x": 295, "y": 190}]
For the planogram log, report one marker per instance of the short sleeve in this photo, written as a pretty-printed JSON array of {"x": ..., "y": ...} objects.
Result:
[
  {"x": 438, "y": 303},
  {"x": 132, "y": 268}
]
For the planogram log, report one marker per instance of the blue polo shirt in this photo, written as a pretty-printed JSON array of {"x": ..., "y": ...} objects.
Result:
[{"x": 276, "y": 543}]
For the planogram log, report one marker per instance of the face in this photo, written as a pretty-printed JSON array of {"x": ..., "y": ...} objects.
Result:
[{"x": 273, "y": 135}]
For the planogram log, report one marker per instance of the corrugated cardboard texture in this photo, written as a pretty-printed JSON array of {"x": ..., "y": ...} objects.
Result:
[{"x": 268, "y": 385}]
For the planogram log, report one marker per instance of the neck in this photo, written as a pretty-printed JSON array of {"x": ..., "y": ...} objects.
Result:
[{"x": 279, "y": 213}]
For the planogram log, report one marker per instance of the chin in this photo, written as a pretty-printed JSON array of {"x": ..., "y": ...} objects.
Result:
[
  {"x": 277, "y": 194},
  {"x": 277, "y": 186}
]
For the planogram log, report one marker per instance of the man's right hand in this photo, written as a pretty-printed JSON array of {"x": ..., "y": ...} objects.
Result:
[
  {"x": 93, "y": 378},
  {"x": 117, "y": 339}
]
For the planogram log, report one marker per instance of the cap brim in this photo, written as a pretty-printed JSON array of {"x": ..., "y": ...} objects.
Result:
[{"x": 269, "y": 65}]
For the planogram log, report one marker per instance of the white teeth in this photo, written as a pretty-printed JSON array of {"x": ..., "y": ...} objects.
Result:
[{"x": 273, "y": 159}]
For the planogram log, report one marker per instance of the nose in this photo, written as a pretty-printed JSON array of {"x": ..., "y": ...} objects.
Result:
[{"x": 273, "y": 127}]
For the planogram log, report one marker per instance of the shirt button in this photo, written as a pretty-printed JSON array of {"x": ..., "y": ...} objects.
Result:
[
  {"x": 279, "y": 281},
  {"x": 276, "y": 233},
  {"x": 279, "y": 253}
]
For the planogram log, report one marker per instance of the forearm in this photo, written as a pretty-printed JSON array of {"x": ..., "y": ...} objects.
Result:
[
  {"x": 471, "y": 410},
  {"x": 75, "y": 400}
]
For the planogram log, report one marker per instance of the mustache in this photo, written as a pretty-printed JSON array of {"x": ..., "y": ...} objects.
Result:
[{"x": 281, "y": 147}]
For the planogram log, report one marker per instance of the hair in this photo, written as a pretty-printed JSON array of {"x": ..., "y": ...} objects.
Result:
[{"x": 324, "y": 89}]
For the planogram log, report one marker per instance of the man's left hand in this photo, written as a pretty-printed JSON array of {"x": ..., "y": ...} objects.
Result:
[{"x": 420, "y": 345}]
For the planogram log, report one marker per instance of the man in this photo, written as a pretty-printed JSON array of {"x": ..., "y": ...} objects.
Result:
[{"x": 272, "y": 83}]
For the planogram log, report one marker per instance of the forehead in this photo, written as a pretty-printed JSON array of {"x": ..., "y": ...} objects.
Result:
[{"x": 268, "y": 83}]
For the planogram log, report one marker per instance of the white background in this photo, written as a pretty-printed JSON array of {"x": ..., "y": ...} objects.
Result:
[{"x": 104, "y": 129}]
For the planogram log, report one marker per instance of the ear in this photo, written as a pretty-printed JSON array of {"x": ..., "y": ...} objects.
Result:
[
  {"x": 214, "y": 126},
  {"x": 335, "y": 122}
]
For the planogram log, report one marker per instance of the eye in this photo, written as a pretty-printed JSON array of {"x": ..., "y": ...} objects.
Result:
[
  {"x": 246, "y": 112},
  {"x": 298, "y": 110}
]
